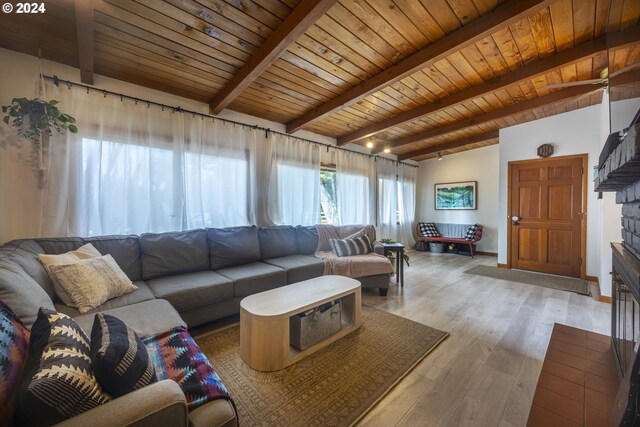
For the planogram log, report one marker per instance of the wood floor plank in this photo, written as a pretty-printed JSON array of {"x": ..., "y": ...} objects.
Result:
[{"x": 499, "y": 333}]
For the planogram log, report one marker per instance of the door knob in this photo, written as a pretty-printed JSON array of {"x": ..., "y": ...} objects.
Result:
[{"x": 515, "y": 219}]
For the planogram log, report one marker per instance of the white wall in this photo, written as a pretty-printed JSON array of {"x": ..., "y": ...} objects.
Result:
[
  {"x": 476, "y": 165},
  {"x": 575, "y": 132}
]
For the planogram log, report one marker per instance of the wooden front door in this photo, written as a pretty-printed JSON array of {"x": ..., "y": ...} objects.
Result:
[{"x": 546, "y": 215}]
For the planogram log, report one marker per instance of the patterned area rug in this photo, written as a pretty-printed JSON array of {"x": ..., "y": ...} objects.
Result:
[
  {"x": 570, "y": 284},
  {"x": 334, "y": 386}
]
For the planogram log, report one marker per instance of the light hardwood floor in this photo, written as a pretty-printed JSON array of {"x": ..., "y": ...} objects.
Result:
[{"x": 485, "y": 373}]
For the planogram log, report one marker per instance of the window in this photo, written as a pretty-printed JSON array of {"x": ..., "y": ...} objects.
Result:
[
  {"x": 129, "y": 188},
  {"x": 328, "y": 206}
]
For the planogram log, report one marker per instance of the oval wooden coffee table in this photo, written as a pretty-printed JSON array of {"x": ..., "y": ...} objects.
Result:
[{"x": 264, "y": 319}]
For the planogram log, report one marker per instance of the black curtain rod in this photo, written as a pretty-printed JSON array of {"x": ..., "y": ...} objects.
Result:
[{"x": 57, "y": 81}]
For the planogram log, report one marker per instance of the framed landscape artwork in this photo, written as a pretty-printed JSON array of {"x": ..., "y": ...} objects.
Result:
[{"x": 456, "y": 195}]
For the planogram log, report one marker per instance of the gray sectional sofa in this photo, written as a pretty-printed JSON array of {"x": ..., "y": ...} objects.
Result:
[{"x": 188, "y": 277}]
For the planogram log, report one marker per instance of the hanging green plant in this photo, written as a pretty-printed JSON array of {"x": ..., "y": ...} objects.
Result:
[{"x": 35, "y": 117}]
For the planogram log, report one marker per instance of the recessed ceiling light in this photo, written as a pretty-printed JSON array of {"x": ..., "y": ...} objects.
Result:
[
  {"x": 387, "y": 150},
  {"x": 369, "y": 144}
]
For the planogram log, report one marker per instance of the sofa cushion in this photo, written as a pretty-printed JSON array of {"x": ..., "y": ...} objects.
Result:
[
  {"x": 25, "y": 253},
  {"x": 119, "y": 358},
  {"x": 14, "y": 350},
  {"x": 20, "y": 292},
  {"x": 176, "y": 356},
  {"x": 177, "y": 252},
  {"x": 146, "y": 318},
  {"x": 233, "y": 246},
  {"x": 91, "y": 282},
  {"x": 59, "y": 245},
  {"x": 124, "y": 249},
  {"x": 306, "y": 239},
  {"x": 143, "y": 293},
  {"x": 254, "y": 277},
  {"x": 299, "y": 267},
  {"x": 276, "y": 242},
  {"x": 192, "y": 290},
  {"x": 58, "y": 382}
]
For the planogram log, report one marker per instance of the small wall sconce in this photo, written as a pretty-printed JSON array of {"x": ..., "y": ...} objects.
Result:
[{"x": 439, "y": 156}]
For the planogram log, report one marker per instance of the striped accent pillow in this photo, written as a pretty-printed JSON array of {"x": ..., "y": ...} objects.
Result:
[
  {"x": 350, "y": 247},
  {"x": 120, "y": 360}
]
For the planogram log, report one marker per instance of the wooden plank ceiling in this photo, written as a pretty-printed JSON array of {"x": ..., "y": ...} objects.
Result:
[{"x": 418, "y": 76}]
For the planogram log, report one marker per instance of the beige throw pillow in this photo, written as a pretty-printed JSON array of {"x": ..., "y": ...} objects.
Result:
[
  {"x": 83, "y": 252},
  {"x": 91, "y": 282}
]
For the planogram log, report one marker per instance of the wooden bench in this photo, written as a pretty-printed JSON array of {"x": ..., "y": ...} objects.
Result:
[
  {"x": 578, "y": 382},
  {"x": 451, "y": 233}
]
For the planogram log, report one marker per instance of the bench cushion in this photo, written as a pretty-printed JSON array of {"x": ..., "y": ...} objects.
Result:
[
  {"x": 254, "y": 277},
  {"x": 428, "y": 229},
  {"x": 192, "y": 290},
  {"x": 299, "y": 267}
]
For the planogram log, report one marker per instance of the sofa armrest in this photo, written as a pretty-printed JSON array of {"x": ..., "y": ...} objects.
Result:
[
  {"x": 378, "y": 248},
  {"x": 161, "y": 403}
]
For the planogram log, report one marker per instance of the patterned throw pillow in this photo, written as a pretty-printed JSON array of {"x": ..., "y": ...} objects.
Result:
[
  {"x": 471, "y": 232},
  {"x": 58, "y": 383},
  {"x": 119, "y": 358},
  {"x": 351, "y": 247},
  {"x": 91, "y": 282},
  {"x": 176, "y": 356},
  {"x": 14, "y": 347},
  {"x": 83, "y": 252},
  {"x": 429, "y": 229}
]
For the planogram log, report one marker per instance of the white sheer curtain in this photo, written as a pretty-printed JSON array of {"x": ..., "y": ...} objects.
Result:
[
  {"x": 134, "y": 168},
  {"x": 387, "y": 197},
  {"x": 407, "y": 177},
  {"x": 294, "y": 183},
  {"x": 354, "y": 188}
]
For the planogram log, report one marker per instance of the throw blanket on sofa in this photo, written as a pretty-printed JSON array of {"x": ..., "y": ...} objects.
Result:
[
  {"x": 350, "y": 266},
  {"x": 176, "y": 356}
]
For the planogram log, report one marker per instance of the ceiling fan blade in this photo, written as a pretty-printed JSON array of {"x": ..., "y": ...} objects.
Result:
[
  {"x": 625, "y": 69},
  {"x": 576, "y": 83}
]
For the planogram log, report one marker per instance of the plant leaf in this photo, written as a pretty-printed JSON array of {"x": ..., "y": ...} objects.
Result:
[
  {"x": 73, "y": 129},
  {"x": 53, "y": 102}
]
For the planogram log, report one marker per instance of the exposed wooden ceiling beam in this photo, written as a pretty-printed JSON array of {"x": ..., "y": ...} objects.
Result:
[
  {"x": 476, "y": 30},
  {"x": 449, "y": 145},
  {"x": 520, "y": 107},
  {"x": 525, "y": 73},
  {"x": 528, "y": 72},
  {"x": 84, "y": 31},
  {"x": 298, "y": 21}
]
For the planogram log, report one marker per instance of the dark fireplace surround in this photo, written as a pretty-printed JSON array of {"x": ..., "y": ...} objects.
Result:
[{"x": 619, "y": 171}]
